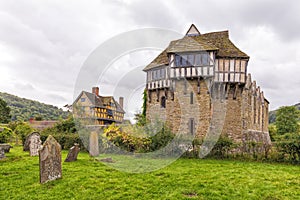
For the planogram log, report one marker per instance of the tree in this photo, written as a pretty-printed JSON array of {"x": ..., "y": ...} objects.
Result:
[
  {"x": 287, "y": 120},
  {"x": 4, "y": 112},
  {"x": 141, "y": 117}
]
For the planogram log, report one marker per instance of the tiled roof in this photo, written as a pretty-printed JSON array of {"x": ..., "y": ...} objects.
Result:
[
  {"x": 101, "y": 101},
  {"x": 190, "y": 44},
  {"x": 215, "y": 41},
  {"x": 225, "y": 47}
]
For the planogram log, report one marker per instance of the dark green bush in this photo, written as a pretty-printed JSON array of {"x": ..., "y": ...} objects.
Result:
[
  {"x": 288, "y": 147},
  {"x": 222, "y": 147}
]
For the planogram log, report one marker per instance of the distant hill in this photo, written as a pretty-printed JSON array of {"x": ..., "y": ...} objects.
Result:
[
  {"x": 24, "y": 109},
  {"x": 272, "y": 114}
]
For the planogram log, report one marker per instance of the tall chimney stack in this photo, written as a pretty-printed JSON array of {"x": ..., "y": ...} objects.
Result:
[
  {"x": 121, "y": 101},
  {"x": 95, "y": 90}
]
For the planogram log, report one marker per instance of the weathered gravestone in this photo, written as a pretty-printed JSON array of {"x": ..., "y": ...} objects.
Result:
[
  {"x": 73, "y": 152},
  {"x": 2, "y": 154},
  {"x": 5, "y": 147},
  {"x": 50, "y": 160},
  {"x": 94, "y": 144},
  {"x": 33, "y": 143}
]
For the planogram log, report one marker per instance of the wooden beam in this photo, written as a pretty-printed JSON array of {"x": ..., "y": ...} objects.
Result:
[
  {"x": 198, "y": 86},
  {"x": 227, "y": 90},
  {"x": 235, "y": 91},
  {"x": 166, "y": 93}
]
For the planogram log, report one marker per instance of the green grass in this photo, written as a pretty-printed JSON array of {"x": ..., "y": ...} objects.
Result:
[{"x": 88, "y": 178}]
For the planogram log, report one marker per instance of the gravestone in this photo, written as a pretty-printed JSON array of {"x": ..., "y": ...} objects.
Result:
[
  {"x": 6, "y": 147},
  {"x": 2, "y": 154},
  {"x": 73, "y": 152},
  {"x": 94, "y": 144},
  {"x": 33, "y": 143},
  {"x": 108, "y": 160},
  {"x": 50, "y": 160}
]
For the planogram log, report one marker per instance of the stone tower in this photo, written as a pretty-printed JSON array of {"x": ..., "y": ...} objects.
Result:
[{"x": 200, "y": 82}]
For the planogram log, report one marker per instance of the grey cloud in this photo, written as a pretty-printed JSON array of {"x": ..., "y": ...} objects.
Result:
[{"x": 50, "y": 40}]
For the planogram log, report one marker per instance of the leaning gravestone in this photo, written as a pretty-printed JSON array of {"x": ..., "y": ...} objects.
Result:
[
  {"x": 50, "y": 160},
  {"x": 94, "y": 144},
  {"x": 33, "y": 143},
  {"x": 73, "y": 152}
]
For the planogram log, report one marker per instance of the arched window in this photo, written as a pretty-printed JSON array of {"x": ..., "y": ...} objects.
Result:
[{"x": 163, "y": 102}]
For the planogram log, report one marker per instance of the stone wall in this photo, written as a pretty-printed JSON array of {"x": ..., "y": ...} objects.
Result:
[
  {"x": 179, "y": 110},
  {"x": 236, "y": 109}
]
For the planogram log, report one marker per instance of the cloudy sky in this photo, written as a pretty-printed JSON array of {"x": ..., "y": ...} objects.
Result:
[{"x": 43, "y": 44}]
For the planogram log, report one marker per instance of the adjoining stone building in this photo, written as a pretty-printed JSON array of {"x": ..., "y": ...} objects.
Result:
[
  {"x": 200, "y": 81},
  {"x": 93, "y": 109}
]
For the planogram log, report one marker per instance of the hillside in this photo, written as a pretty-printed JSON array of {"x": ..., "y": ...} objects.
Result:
[
  {"x": 24, "y": 109},
  {"x": 272, "y": 114}
]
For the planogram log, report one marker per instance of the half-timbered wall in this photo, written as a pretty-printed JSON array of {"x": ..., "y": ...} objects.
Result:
[{"x": 230, "y": 70}]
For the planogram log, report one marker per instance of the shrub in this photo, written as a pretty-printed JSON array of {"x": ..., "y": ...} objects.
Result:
[
  {"x": 5, "y": 134},
  {"x": 137, "y": 138},
  {"x": 162, "y": 138},
  {"x": 288, "y": 147},
  {"x": 222, "y": 147},
  {"x": 128, "y": 139},
  {"x": 22, "y": 130},
  {"x": 272, "y": 132},
  {"x": 65, "y": 133}
]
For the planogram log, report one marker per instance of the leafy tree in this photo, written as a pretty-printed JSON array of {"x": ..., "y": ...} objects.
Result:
[
  {"x": 4, "y": 112},
  {"x": 287, "y": 120},
  {"x": 272, "y": 132}
]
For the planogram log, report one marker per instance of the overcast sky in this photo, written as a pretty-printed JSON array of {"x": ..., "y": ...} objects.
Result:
[{"x": 43, "y": 44}]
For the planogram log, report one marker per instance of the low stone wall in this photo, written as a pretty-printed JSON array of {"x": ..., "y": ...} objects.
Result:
[{"x": 254, "y": 141}]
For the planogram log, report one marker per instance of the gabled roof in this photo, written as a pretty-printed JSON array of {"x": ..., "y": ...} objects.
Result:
[
  {"x": 193, "y": 30},
  {"x": 100, "y": 101},
  {"x": 214, "y": 41}
]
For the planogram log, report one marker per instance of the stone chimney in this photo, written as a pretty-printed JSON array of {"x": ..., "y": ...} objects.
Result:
[
  {"x": 95, "y": 90},
  {"x": 121, "y": 101}
]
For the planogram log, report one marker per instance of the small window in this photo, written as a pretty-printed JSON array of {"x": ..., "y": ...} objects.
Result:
[
  {"x": 185, "y": 87},
  {"x": 163, "y": 102},
  {"x": 162, "y": 73},
  {"x": 192, "y": 98},
  {"x": 184, "y": 60},
  {"x": 177, "y": 60},
  {"x": 190, "y": 59},
  {"x": 82, "y": 99},
  {"x": 197, "y": 60},
  {"x": 191, "y": 126},
  {"x": 204, "y": 59}
]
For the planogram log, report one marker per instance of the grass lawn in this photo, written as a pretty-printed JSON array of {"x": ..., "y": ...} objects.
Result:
[{"x": 88, "y": 178}]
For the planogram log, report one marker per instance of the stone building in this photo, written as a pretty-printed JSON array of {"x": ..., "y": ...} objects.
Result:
[
  {"x": 93, "y": 109},
  {"x": 200, "y": 82}
]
